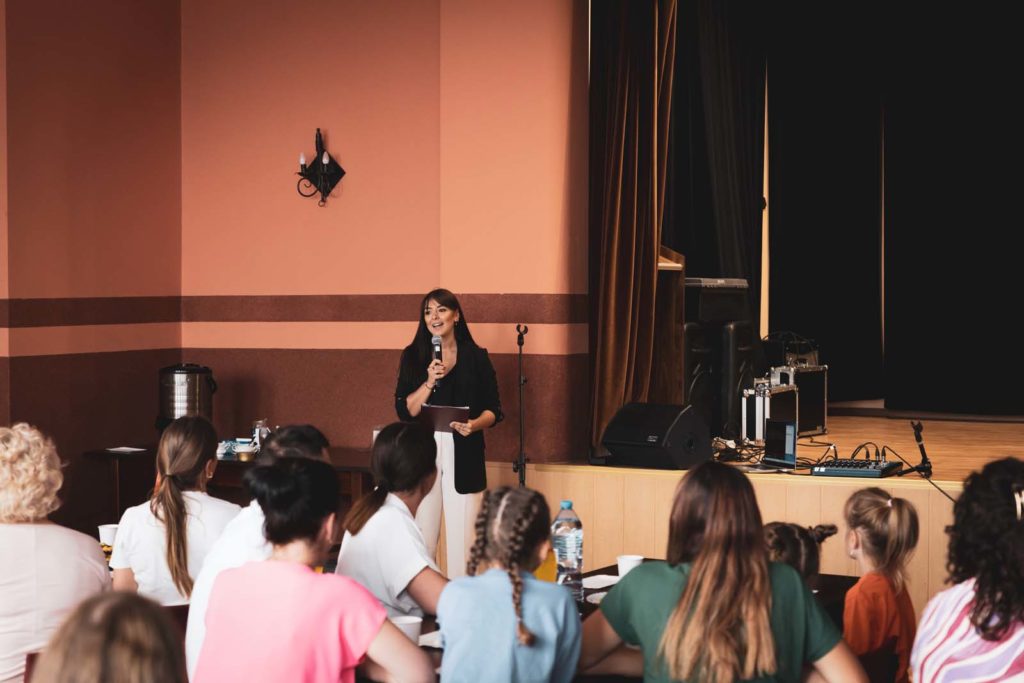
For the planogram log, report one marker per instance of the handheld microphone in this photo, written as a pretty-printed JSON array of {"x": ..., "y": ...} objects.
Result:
[{"x": 435, "y": 343}]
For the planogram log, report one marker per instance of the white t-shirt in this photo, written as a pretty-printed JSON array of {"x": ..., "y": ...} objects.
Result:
[
  {"x": 242, "y": 542},
  {"x": 141, "y": 543},
  {"x": 386, "y": 554},
  {"x": 45, "y": 571}
]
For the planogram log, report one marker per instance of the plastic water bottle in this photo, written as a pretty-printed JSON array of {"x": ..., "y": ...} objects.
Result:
[{"x": 567, "y": 540}]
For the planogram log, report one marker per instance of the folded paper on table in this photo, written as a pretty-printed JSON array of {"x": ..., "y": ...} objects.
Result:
[
  {"x": 432, "y": 639},
  {"x": 440, "y": 418},
  {"x": 599, "y": 581},
  {"x": 125, "y": 449}
]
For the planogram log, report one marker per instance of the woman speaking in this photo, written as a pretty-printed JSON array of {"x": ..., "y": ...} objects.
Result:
[{"x": 462, "y": 376}]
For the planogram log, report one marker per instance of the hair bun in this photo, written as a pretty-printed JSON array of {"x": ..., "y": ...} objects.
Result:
[
  {"x": 272, "y": 486},
  {"x": 822, "y": 531}
]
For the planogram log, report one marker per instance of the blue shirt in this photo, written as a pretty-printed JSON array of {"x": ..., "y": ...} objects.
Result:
[{"x": 478, "y": 628}]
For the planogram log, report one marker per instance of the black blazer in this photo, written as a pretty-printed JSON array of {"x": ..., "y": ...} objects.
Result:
[{"x": 476, "y": 386}]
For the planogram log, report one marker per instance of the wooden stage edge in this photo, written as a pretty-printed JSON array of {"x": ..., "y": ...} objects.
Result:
[{"x": 626, "y": 510}]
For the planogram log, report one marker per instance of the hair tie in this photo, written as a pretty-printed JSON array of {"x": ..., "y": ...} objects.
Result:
[
  {"x": 1018, "y": 499},
  {"x": 888, "y": 503}
]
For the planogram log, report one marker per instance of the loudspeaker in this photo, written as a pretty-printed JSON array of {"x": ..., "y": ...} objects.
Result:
[
  {"x": 657, "y": 435},
  {"x": 699, "y": 374},
  {"x": 737, "y": 374}
]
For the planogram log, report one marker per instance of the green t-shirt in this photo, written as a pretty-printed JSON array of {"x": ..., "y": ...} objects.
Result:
[{"x": 639, "y": 606}]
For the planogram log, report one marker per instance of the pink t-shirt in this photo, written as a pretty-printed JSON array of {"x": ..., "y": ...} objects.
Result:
[{"x": 281, "y": 621}]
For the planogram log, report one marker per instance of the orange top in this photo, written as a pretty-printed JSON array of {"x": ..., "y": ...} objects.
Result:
[{"x": 875, "y": 616}]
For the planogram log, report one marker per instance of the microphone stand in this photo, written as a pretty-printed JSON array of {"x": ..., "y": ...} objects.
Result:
[
  {"x": 519, "y": 465},
  {"x": 925, "y": 468}
]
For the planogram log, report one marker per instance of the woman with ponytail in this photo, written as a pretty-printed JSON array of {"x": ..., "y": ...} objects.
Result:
[
  {"x": 160, "y": 545},
  {"x": 717, "y": 610},
  {"x": 878, "y": 617},
  {"x": 279, "y": 621},
  {"x": 500, "y": 623},
  {"x": 383, "y": 548}
]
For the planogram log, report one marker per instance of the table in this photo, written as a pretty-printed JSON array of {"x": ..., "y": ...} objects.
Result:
[{"x": 132, "y": 477}]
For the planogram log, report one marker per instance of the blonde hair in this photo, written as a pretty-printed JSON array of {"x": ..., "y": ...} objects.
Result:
[
  {"x": 30, "y": 474},
  {"x": 888, "y": 531},
  {"x": 720, "y": 629},
  {"x": 186, "y": 446},
  {"x": 115, "y": 636}
]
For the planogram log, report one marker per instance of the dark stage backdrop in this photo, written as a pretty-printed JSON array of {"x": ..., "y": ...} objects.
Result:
[
  {"x": 824, "y": 129},
  {"x": 953, "y": 266}
]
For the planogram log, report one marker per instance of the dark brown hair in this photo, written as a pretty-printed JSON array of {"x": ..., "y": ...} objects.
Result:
[
  {"x": 986, "y": 543},
  {"x": 511, "y": 524},
  {"x": 115, "y": 636},
  {"x": 417, "y": 355},
  {"x": 720, "y": 630},
  {"x": 888, "y": 531},
  {"x": 404, "y": 454},
  {"x": 798, "y": 546},
  {"x": 186, "y": 446},
  {"x": 294, "y": 441}
]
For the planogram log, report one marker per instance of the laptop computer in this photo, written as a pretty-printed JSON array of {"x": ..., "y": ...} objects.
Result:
[{"x": 779, "y": 447}]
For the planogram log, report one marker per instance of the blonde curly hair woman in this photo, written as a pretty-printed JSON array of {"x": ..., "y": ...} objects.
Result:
[{"x": 45, "y": 569}]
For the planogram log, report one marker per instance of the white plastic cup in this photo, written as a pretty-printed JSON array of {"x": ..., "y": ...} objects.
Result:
[
  {"x": 107, "y": 534},
  {"x": 410, "y": 626},
  {"x": 628, "y": 562}
]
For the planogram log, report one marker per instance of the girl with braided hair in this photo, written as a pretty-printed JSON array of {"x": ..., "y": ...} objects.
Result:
[{"x": 500, "y": 623}]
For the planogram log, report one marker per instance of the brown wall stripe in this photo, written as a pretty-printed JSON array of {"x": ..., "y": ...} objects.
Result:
[
  {"x": 93, "y": 311},
  {"x": 500, "y": 308}
]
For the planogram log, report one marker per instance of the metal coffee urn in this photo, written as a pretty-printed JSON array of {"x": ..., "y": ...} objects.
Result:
[{"x": 185, "y": 389}]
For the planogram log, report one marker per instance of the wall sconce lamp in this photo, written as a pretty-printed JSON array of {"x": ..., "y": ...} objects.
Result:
[{"x": 321, "y": 176}]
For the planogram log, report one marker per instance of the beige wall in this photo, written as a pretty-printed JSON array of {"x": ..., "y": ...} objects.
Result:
[{"x": 627, "y": 511}]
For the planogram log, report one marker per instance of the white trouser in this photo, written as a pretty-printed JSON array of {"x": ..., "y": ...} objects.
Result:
[{"x": 459, "y": 511}]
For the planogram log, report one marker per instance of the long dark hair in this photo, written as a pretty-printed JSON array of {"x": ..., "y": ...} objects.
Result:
[
  {"x": 404, "y": 454},
  {"x": 296, "y": 494},
  {"x": 420, "y": 346},
  {"x": 716, "y": 525},
  {"x": 186, "y": 446},
  {"x": 986, "y": 543},
  {"x": 511, "y": 524}
]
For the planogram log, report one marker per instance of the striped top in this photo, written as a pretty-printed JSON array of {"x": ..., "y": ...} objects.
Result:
[{"x": 949, "y": 648}]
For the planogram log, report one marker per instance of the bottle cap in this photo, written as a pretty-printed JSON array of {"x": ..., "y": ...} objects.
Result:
[{"x": 567, "y": 505}]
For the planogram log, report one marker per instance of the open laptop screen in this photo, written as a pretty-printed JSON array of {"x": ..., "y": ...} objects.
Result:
[{"x": 779, "y": 443}]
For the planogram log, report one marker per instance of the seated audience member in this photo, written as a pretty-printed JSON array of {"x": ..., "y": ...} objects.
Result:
[
  {"x": 975, "y": 630},
  {"x": 500, "y": 623},
  {"x": 45, "y": 569},
  {"x": 878, "y": 617},
  {"x": 798, "y": 546},
  {"x": 383, "y": 549},
  {"x": 717, "y": 610},
  {"x": 116, "y": 637},
  {"x": 279, "y": 621},
  {"x": 243, "y": 540},
  {"x": 160, "y": 545}
]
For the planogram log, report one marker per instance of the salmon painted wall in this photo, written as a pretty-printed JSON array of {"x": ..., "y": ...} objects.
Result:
[
  {"x": 257, "y": 80},
  {"x": 463, "y": 128},
  {"x": 514, "y": 146},
  {"x": 93, "y": 148}
]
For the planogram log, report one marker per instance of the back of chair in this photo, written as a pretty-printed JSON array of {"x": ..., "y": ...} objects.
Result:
[
  {"x": 30, "y": 665},
  {"x": 881, "y": 665},
  {"x": 178, "y": 615}
]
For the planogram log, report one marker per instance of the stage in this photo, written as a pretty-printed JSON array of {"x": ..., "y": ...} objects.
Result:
[{"x": 627, "y": 510}]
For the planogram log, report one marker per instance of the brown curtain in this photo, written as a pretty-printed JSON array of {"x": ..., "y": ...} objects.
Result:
[{"x": 632, "y": 56}]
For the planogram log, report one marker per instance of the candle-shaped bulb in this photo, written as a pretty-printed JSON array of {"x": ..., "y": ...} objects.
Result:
[
  {"x": 326, "y": 158},
  {"x": 302, "y": 159}
]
